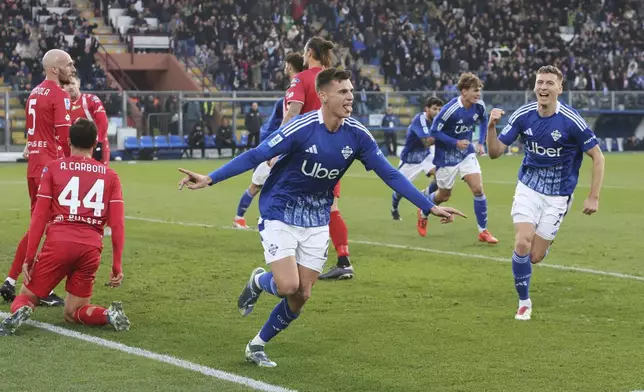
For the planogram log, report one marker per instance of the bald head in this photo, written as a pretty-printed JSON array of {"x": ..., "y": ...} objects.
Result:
[{"x": 58, "y": 66}]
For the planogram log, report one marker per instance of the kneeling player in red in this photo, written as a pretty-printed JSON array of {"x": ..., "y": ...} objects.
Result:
[{"x": 76, "y": 198}]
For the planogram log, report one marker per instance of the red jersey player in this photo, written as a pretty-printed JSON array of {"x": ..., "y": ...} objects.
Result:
[
  {"x": 77, "y": 196},
  {"x": 47, "y": 121},
  {"x": 89, "y": 106},
  {"x": 302, "y": 97}
]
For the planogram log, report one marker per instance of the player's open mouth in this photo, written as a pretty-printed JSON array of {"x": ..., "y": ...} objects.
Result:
[
  {"x": 544, "y": 95},
  {"x": 348, "y": 108}
]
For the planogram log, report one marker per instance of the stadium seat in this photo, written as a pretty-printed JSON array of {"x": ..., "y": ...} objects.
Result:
[
  {"x": 161, "y": 143},
  {"x": 147, "y": 142},
  {"x": 210, "y": 141},
  {"x": 176, "y": 142},
  {"x": 131, "y": 143},
  {"x": 243, "y": 140}
]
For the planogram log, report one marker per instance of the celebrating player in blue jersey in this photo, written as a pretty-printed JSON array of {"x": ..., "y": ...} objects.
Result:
[
  {"x": 293, "y": 65},
  {"x": 455, "y": 155},
  {"x": 555, "y": 138},
  {"x": 315, "y": 150},
  {"x": 416, "y": 156}
]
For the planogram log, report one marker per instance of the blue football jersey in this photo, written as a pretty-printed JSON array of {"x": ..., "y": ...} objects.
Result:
[
  {"x": 454, "y": 123},
  {"x": 415, "y": 150},
  {"x": 274, "y": 121},
  {"x": 554, "y": 147},
  {"x": 299, "y": 190}
]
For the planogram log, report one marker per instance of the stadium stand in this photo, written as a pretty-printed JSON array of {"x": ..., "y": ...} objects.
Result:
[{"x": 391, "y": 47}]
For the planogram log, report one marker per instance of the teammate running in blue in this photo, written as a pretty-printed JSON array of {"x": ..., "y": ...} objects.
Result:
[
  {"x": 293, "y": 65},
  {"x": 455, "y": 155},
  {"x": 315, "y": 150},
  {"x": 417, "y": 155},
  {"x": 556, "y": 138}
]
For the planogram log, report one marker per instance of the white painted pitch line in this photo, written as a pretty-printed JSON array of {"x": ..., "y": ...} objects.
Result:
[
  {"x": 419, "y": 249},
  {"x": 501, "y": 182},
  {"x": 205, "y": 370}
]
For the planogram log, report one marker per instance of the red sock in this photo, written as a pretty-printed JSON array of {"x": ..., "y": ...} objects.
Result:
[
  {"x": 21, "y": 301},
  {"x": 339, "y": 234},
  {"x": 19, "y": 258},
  {"x": 91, "y": 315}
]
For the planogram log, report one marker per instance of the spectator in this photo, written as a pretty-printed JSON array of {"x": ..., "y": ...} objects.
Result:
[
  {"x": 390, "y": 122},
  {"x": 253, "y": 124},
  {"x": 225, "y": 137}
]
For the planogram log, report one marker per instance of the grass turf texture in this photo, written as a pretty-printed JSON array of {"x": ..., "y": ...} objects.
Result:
[{"x": 410, "y": 321}]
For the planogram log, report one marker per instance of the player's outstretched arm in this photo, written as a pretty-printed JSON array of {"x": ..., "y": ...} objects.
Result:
[
  {"x": 276, "y": 145},
  {"x": 402, "y": 185},
  {"x": 495, "y": 147},
  {"x": 116, "y": 221},
  {"x": 591, "y": 204}
]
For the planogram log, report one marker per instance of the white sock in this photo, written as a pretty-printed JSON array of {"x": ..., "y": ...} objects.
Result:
[
  {"x": 11, "y": 281},
  {"x": 52, "y": 292},
  {"x": 256, "y": 280},
  {"x": 257, "y": 341},
  {"x": 525, "y": 302}
]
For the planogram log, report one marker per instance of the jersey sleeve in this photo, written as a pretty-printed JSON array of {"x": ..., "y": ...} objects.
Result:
[
  {"x": 482, "y": 122},
  {"x": 296, "y": 91},
  {"x": 420, "y": 127},
  {"x": 116, "y": 220},
  {"x": 100, "y": 117},
  {"x": 62, "y": 105},
  {"x": 511, "y": 131},
  {"x": 282, "y": 141},
  {"x": 440, "y": 123},
  {"x": 368, "y": 153},
  {"x": 40, "y": 215},
  {"x": 580, "y": 130}
]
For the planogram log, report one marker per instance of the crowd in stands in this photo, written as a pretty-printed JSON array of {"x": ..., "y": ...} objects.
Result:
[{"x": 420, "y": 45}]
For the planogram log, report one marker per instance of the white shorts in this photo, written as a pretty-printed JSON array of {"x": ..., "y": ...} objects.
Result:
[
  {"x": 543, "y": 211},
  {"x": 309, "y": 245},
  {"x": 412, "y": 170},
  {"x": 446, "y": 176},
  {"x": 261, "y": 174}
]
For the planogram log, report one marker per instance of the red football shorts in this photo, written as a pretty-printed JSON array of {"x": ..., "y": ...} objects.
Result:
[
  {"x": 32, "y": 185},
  {"x": 336, "y": 190},
  {"x": 57, "y": 260}
]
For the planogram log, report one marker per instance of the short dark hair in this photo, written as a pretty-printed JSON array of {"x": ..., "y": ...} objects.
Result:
[
  {"x": 296, "y": 60},
  {"x": 468, "y": 80},
  {"x": 325, "y": 77},
  {"x": 82, "y": 134},
  {"x": 322, "y": 50},
  {"x": 551, "y": 69},
  {"x": 434, "y": 101}
]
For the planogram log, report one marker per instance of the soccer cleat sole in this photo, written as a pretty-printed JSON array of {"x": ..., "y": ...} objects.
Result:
[
  {"x": 118, "y": 319},
  {"x": 10, "y": 324},
  {"x": 245, "y": 310}
]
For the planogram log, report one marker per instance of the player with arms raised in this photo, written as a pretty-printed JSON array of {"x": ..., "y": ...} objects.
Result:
[
  {"x": 301, "y": 98},
  {"x": 556, "y": 138},
  {"x": 77, "y": 196},
  {"x": 295, "y": 203},
  {"x": 455, "y": 155},
  {"x": 48, "y": 121},
  {"x": 89, "y": 106},
  {"x": 416, "y": 156},
  {"x": 293, "y": 65}
]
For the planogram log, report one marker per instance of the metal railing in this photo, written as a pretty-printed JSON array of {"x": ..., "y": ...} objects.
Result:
[{"x": 368, "y": 107}]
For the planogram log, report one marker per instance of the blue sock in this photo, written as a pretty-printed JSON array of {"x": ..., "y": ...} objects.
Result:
[
  {"x": 480, "y": 209},
  {"x": 433, "y": 187},
  {"x": 395, "y": 200},
  {"x": 244, "y": 202},
  {"x": 267, "y": 283},
  {"x": 522, "y": 270},
  {"x": 279, "y": 319},
  {"x": 432, "y": 197}
]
